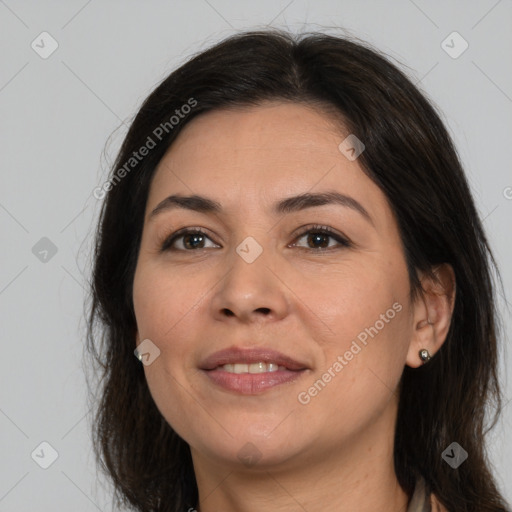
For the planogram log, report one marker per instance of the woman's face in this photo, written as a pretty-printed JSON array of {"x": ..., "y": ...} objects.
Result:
[{"x": 331, "y": 322}]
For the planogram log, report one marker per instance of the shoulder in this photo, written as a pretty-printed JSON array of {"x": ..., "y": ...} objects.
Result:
[{"x": 436, "y": 504}]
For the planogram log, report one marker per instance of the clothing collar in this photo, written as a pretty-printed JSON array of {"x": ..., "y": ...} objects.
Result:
[{"x": 420, "y": 501}]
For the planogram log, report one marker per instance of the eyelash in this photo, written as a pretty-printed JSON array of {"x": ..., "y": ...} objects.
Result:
[{"x": 316, "y": 229}]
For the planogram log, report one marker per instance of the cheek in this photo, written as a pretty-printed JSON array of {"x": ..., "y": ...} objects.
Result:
[
  {"x": 367, "y": 313},
  {"x": 164, "y": 313},
  {"x": 359, "y": 375},
  {"x": 351, "y": 297},
  {"x": 161, "y": 301}
]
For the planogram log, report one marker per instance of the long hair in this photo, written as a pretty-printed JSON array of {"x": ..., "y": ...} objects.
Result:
[{"x": 411, "y": 158}]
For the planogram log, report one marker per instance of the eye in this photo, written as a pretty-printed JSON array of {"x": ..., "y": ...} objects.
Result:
[
  {"x": 190, "y": 238},
  {"x": 319, "y": 236}
]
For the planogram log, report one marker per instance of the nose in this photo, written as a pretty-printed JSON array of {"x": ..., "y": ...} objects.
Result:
[{"x": 250, "y": 292}]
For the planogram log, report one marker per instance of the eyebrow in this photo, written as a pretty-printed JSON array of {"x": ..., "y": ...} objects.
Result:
[{"x": 291, "y": 204}]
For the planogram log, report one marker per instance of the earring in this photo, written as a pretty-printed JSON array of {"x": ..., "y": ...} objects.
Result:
[{"x": 425, "y": 355}]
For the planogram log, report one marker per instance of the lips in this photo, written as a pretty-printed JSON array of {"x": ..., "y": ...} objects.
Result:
[
  {"x": 222, "y": 369},
  {"x": 235, "y": 355}
]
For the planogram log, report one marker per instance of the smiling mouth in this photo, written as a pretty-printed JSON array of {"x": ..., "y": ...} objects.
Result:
[
  {"x": 250, "y": 371},
  {"x": 251, "y": 378}
]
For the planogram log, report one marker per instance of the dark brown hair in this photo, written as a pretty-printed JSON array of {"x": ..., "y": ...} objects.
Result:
[{"x": 411, "y": 157}]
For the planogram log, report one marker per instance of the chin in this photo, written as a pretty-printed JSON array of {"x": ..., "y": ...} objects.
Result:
[{"x": 252, "y": 452}]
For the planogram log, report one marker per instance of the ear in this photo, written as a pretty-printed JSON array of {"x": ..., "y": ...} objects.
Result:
[{"x": 432, "y": 313}]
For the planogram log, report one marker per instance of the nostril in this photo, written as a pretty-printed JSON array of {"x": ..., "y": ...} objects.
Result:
[{"x": 228, "y": 312}]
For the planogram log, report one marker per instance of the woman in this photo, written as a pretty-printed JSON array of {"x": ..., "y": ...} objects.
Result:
[{"x": 289, "y": 246}]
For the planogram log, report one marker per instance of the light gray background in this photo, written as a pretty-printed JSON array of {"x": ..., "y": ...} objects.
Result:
[{"x": 56, "y": 116}]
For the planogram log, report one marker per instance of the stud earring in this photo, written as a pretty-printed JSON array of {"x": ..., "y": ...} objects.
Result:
[{"x": 425, "y": 355}]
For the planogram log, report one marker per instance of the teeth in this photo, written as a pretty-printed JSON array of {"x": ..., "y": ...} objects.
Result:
[
  {"x": 260, "y": 367},
  {"x": 257, "y": 368}
]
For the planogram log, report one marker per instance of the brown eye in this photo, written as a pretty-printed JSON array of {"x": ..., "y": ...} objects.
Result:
[
  {"x": 318, "y": 238},
  {"x": 190, "y": 240}
]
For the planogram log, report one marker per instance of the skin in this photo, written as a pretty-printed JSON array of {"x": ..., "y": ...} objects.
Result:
[{"x": 336, "y": 451}]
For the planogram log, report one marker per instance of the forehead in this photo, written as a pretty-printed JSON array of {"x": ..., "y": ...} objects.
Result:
[
  {"x": 251, "y": 157},
  {"x": 250, "y": 134}
]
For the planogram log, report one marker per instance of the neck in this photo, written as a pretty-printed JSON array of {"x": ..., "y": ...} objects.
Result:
[{"x": 357, "y": 476}]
